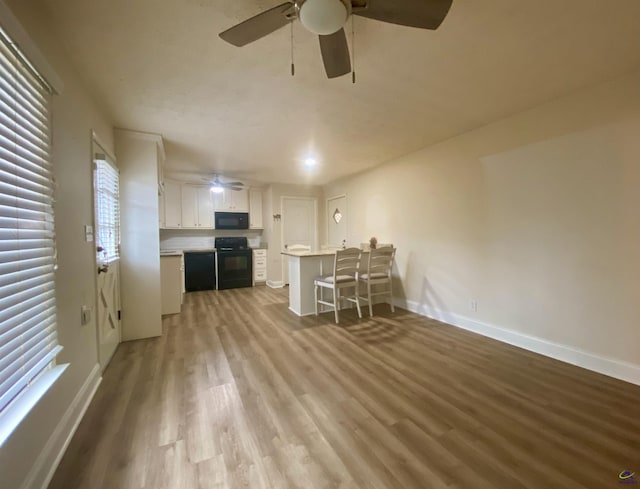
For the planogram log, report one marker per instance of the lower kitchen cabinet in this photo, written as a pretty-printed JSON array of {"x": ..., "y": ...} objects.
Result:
[
  {"x": 259, "y": 266},
  {"x": 171, "y": 284}
]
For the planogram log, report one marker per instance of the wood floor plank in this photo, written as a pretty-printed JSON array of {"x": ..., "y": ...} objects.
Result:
[{"x": 240, "y": 393}]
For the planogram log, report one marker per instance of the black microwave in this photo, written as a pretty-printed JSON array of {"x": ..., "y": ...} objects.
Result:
[{"x": 231, "y": 220}]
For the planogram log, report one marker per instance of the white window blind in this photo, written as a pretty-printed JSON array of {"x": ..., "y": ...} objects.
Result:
[
  {"x": 106, "y": 190},
  {"x": 28, "y": 340}
]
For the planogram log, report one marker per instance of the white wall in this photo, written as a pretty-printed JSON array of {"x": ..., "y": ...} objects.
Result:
[
  {"x": 534, "y": 217},
  {"x": 74, "y": 115}
]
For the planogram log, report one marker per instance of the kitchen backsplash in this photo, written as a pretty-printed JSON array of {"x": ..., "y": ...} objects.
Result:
[{"x": 198, "y": 239}]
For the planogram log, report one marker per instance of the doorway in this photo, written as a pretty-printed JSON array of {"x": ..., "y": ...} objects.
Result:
[
  {"x": 337, "y": 221},
  {"x": 106, "y": 198},
  {"x": 299, "y": 226}
]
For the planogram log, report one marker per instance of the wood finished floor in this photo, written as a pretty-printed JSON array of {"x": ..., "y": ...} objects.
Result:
[{"x": 238, "y": 392}]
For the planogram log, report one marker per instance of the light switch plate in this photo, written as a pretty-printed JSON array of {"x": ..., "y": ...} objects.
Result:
[
  {"x": 85, "y": 315},
  {"x": 88, "y": 233}
]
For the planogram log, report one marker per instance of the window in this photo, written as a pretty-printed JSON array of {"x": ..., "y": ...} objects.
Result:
[
  {"x": 106, "y": 185},
  {"x": 28, "y": 339}
]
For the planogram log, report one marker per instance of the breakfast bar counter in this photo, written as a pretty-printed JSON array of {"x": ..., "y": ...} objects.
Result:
[{"x": 304, "y": 267}]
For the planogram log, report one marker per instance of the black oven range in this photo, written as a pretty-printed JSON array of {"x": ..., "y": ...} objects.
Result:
[{"x": 234, "y": 259}]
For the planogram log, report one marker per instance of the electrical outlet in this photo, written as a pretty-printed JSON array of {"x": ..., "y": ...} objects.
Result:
[
  {"x": 85, "y": 315},
  {"x": 474, "y": 305}
]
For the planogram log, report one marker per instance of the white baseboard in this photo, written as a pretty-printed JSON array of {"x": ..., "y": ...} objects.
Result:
[
  {"x": 275, "y": 284},
  {"x": 626, "y": 371},
  {"x": 45, "y": 466}
]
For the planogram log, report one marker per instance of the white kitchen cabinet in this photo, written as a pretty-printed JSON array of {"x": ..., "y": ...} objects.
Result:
[
  {"x": 197, "y": 207},
  {"x": 189, "y": 206},
  {"x": 172, "y": 200},
  {"x": 161, "y": 219},
  {"x": 171, "y": 284},
  {"x": 232, "y": 201},
  {"x": 259, "y": 266},
  {"x": 255, "y": 208},
  {"x": 205, "y": 207}
]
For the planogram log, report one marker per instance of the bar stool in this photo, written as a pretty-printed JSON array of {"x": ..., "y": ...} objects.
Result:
[
  {"x": 379, "y": 272},
  {"x": 345, "y": 274}
]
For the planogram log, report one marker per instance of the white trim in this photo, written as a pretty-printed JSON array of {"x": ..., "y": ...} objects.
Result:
[
  {"x": 147, "y": 136},
  {"x": 19, "y": 408},
  {"x": 618, "y": 369},
  {"x": 47, "y": 462},
  {"x": 275, "y": 284},
  {"x": 95, "y": 139},
  {"x": 310, "y": 313},
  {"x": 12, "y": 26}
]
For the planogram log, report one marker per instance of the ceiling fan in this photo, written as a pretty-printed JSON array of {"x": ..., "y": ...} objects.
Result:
[
  {"x": 327, "y": 18},
  {"x": 218, "y": 186}
]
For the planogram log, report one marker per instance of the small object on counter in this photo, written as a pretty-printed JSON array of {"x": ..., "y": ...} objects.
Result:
[{"x": 373, "y": 242}]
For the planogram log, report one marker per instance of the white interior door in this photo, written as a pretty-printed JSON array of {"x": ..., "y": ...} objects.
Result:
[
  {"x": 299, "y": 226},
  {"x": 107, "y": 241},
  {"x": 337, "y": 221}
]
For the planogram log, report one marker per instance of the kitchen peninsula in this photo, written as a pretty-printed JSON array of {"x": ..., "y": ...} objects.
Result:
[{"x": 304, "y": 267}]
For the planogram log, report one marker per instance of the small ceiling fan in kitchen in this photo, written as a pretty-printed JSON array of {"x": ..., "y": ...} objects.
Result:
[
  {"x": 327, "y": 18},
  {"x": 218, "y": 185}
]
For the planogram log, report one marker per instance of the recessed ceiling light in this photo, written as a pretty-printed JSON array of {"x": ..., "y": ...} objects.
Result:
[{"x": 310, "y": 162}]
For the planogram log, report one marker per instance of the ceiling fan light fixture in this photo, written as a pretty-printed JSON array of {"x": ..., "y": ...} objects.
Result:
[
  {"x": 323, "y": 17},
  {"x": 217, "y": 189}
]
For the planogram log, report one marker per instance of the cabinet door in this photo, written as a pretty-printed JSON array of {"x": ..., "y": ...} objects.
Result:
[
  {"x": 255, "y": 208},
  {"x": 172, "y": 204},
  {"x": 205, "y": 207},
  {"x": 161, "y": 211},
  {"x": 189, "y": 206},
  {"x": 240, "y": 200},
  {"x": 218, "y": 201},
  {"x": 227, "y": 200}
]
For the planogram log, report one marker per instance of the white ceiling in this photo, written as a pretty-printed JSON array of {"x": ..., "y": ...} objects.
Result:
[{"x": 159, "y": 66}]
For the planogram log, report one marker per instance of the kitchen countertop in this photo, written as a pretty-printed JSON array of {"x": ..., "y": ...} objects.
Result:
[
  {"x": 170, "y": 253},
  {"x": 313, "y": 253},
  {"x": 309, "y": 253}
]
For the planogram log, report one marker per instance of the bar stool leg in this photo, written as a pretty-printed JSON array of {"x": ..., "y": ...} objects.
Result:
[
  {"x": 315, "y": 290},
  {"x": 369, "y": 296},
  {"x": 358, "y": 301},
  {"x": 335, "y": 303}
]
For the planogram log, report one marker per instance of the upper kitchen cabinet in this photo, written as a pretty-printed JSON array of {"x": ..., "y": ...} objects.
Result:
[
  {"x": 172, "y": 201},
  {"x": 197, "y": 207},
  {"x": 232, "y": 200},
  {"x": 255, "y": 208}
]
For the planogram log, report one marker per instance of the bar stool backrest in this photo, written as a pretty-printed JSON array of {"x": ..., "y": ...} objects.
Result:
[
  {"x": 347, "y": 262},
  {"x": 381, "y": 261}
]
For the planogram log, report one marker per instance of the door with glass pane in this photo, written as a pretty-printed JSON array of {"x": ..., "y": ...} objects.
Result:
[
  {"x": 337, "y": 221},
  {"x": 107, "y": 241}
]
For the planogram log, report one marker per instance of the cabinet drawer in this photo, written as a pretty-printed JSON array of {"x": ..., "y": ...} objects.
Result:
[
  {"x": 260, "y": 262},
  {"x": 260, "y": 253},
  {"x": 260, "y": 275}
]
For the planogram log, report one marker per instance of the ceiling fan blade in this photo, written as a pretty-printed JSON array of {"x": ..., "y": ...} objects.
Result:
[
  {"x": 234, "y": 184},
  {"x": 424, "y": 14},
  {"x": 233, "y": 188},
  {"x": 335, "y": 54},
  {"x": 258, "y": 26}
]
